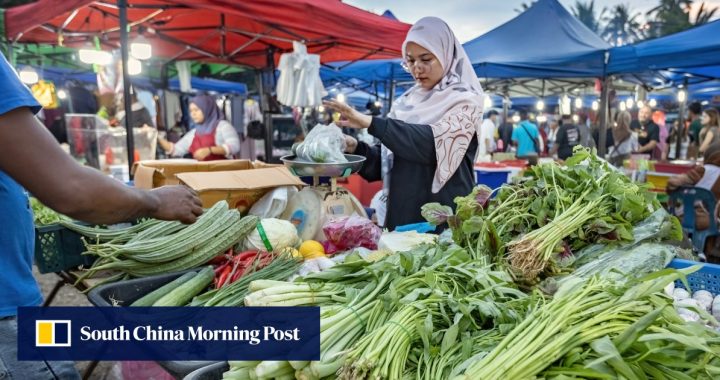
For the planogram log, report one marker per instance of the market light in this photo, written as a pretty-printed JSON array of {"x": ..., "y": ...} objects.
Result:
[
  {"x": 578, "y": 102},
  {"x": 62, "y": 94},
  {"x": 682, "y": 96},
  {"x": 28, "y": 75},
  {"x": 540, "y": 105},
  {"x": 622, "y": 106},
  {"x": 629, "y": 103},
  {"x": 341, "y": 98},
  {"x": 541, "y": 118},
  {"x": 141, "y": 48},
  {"x": 704, "y": 103},
  {"x": 595, "y": 105},
  {"x": 95, "y": 57},
  {"x": 576, "y": 118},
  {"x": 516, "y": 119},
  {"x": 640, "y": 104},
  {"x": 134, "y": 66},
  {"x": 487, "y": 103},
  {"x": 378, "y": 104},
  {"x": 321, "y": 109},
  {"x": 565, "y": 104},
  {"x": 653, "y": 103}
]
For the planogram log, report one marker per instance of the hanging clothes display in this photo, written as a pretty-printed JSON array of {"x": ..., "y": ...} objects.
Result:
[
  {"x": 173, "y": 111},
  {"x": 184, "y": 75},
  {"x": 299, "y": 84}
]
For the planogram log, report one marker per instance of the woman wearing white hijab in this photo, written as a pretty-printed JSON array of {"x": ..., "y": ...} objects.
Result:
[{"x": 429, "y": 138}]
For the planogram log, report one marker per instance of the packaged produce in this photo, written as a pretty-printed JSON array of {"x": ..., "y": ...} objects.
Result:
[
  {"x": 324, "y": 143},
  {"x": 272, "y": 235},
  {"x": 350, "y": 232}
]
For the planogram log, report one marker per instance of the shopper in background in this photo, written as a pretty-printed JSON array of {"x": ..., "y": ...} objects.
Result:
[
  {"x": 526, "y": 138},
  {"x": 140, "y": 115},
  {"x": 694, "y": 115},
  {"x": 505, "y": 131},
  {"x": 212, "y": 138},
  {"x": 648, "y": 133},
  {"x": 568, "y": 137},
  {"x": 60, "y": 183},
  {"x": 710, "y": 132},
  {"x": 686, "y": 141},
  {"x": 487, "y": 136},
  {"x": 707, "y": 177},
  {"x": 624, "y": 140},
  {"x": 553, "y": 127},
  {"x": 658, "y": 117}
]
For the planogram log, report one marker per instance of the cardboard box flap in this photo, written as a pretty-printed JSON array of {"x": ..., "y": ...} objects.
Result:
[
  {"x": 145, "y": 176},
  {"x": 240, "y": 179}
]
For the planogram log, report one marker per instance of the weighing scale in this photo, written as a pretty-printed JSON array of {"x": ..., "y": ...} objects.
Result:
[{"x": 314, "y": 205}]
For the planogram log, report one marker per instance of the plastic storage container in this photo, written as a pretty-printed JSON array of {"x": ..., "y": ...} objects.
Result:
[
  {"x": 707, "y": 278},
  {"x": 58, "y": 248},
  {"x": 674, "y": 167},
  {"x": 94, "y": 143},
  {"x": 492, "y": 175},
  {"x": 124, "y": 293},
  {"x": 211, "y": 372}
]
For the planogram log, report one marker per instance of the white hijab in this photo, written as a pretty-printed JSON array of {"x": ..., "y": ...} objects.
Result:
[{"x": 453, "y": 108}]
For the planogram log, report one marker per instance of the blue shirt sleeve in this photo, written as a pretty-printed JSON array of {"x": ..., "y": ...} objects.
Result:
[{"x": 14, "y": 93}]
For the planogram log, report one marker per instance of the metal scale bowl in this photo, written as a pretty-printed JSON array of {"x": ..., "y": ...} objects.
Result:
[{"x": 332, "y": 200}]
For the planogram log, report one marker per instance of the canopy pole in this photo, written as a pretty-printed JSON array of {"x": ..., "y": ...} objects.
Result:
[
  {"x": 681, "y": 122},
  {"x": 604, "y": 116},
  {"x": 265, "y": 79},
  {"x": 506, "y": 104},
  {"x": 122, "y": 10}
]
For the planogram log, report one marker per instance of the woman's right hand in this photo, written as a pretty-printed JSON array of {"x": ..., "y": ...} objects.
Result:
[
  {"x": 350, "y": 144},
  {"x": 166, "y": 145}
]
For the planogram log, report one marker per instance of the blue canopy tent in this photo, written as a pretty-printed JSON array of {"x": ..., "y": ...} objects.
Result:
[
  {"x": 546, "y": 41},
  {"x": 694, "y": 51},
  {"x": 60, "y": 75}
]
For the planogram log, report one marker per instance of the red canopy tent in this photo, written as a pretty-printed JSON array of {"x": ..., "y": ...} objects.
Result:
[
  {"x": 224, "y": 31},
  {"x": 251, "y": 33}
]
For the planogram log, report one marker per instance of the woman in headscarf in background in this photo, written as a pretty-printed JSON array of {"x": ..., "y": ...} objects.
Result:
[
  {"x": 429, "y": 139},
  {"x": 212, "y": 138},
  {"x": 625, "y": 141},
  {"x": 706, "y": 177}
]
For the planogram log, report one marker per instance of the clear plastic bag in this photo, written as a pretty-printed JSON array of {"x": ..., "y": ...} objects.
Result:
[
  {"x": 324, "y": 143},
  {"x": 350, "y": 232}
]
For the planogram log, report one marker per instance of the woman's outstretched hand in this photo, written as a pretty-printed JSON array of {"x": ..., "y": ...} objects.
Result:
[{"x": 349, "y": 117}]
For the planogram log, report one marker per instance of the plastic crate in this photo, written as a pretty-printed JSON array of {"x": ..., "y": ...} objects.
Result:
[
  {"x": 123, "y": 293},
  {"x": 707, "y": 278},
  {"x": 58, "y": 248},
  {"x": 211, "y": 372},
  {"x": 673, "y": 168},
  {"x": 492, "y": 176}
]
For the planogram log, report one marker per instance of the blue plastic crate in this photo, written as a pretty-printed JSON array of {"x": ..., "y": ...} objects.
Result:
[{"x": 707, "y": 278}]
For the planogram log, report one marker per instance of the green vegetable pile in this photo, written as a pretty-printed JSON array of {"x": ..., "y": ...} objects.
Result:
[
  {"x": 534, "y": 226},
  {"x": 43, "y": 215}
]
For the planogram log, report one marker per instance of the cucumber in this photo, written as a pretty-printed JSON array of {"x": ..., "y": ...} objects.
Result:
[
  {"x": 185, "y": 292},
  {"x": 152, "y": 297}
]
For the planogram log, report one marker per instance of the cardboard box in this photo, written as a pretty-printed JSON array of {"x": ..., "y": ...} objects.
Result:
[
  {"x": 156, "y": 173},
  {"x": 240, "y": 188}
]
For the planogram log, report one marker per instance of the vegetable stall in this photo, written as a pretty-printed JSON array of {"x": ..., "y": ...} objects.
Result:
[{"x": 572, "y": 272}]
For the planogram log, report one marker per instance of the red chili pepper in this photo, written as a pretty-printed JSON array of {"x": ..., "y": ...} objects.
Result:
[
  {"x": 222, "y": 279},
  {"x": 221, "y": 258},
  {"x": 243, "y": 256}
]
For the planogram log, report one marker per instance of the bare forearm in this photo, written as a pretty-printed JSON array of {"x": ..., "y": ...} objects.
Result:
[
  {"x": 53, "y": 177},
  {"x": 218, "y": 150}
]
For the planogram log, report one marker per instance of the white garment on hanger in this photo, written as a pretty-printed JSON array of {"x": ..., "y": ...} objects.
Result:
[
  {"x": 184, "y": 75},
  {"x": 299, "y": 84},
  {"x": 251, "y": 111}
]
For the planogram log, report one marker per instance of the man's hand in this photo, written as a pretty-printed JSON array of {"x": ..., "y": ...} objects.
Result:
[
  {"x": 350, "y": 117},
  {"x": 350, "y": 144},
  {"x": 201, "y": 153},
  {"x": 177, "y": 203}
]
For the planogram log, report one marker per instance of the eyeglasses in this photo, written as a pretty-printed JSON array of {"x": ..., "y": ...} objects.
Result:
[{"x": 410, "y": 66}]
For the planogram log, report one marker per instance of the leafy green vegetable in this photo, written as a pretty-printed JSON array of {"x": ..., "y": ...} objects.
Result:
[{"x": 43, "y": 215}]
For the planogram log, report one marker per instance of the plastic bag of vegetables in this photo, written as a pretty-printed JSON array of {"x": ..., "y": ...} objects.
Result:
[
  {"x": 272, "y": 235},
  {"x": 324, "y": 143}
]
